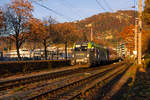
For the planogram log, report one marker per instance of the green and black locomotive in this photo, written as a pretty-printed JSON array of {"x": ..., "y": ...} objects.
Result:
[{"x": 89, "y": 53}]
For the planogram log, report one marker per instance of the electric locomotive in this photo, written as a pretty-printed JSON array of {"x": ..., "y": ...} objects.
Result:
[{"x": 89, "y": 53}]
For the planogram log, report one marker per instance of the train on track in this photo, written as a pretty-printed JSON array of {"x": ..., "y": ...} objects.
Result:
[{"x": 92, "y": 53}]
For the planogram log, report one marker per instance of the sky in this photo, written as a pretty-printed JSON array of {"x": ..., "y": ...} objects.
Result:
[{"x": 72, "y": 10}]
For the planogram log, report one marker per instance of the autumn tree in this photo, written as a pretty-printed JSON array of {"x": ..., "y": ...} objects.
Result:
[
  {"x": 68, "y": 34},
  {"x": 145, "y": 41},
  {"x": 128, "y": 36},
  {"x": 47, "y": 35},
  {"x": 17, "y": 14},
  {"x": 34, "y": 29},
  {"x": 37, "y": 28},
  {"x": 146, "y": 13},
  {"x": 146, "y": 21},
  {"x": 41, "y": 31}
]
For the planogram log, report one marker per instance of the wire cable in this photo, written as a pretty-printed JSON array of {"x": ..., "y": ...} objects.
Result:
[
  {"x": 100, "y": 5},
  {"x": 108, "y": 6},
  {"x": 57, "y": 13},
  {"x": 72, "y": 7}
]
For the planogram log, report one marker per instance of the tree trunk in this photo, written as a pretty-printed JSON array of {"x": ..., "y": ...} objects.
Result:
[
  {"x": 66, "y": 50},
  {"x": 45, "y": 49},
  {"x": 57, "y": 53},
  {"x": 17, "y": 48},
  {"x": 33, "y": 50}
]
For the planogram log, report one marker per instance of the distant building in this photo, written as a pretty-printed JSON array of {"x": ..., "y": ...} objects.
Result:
[
  {"x": 13, "y": 53},
  {"x": 52, "y": 53}
]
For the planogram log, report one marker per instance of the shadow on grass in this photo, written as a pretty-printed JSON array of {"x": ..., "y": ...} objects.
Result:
[{"x": 139, "y": 90}]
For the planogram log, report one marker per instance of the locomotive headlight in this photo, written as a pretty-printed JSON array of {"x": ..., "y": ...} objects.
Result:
[
  {"x": 87, "y": 55},
  {"x": 73, "y": 55}
]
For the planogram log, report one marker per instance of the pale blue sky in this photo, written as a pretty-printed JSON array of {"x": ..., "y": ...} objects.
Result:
[{"x": 76, "y": 9}]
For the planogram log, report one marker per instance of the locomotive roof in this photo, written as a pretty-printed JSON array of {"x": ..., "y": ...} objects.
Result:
[{"x": 90, "y": 44}]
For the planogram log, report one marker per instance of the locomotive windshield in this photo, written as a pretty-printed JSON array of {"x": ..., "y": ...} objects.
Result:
[
  {"x": 80, "y": 47},
  {"x": 83, "y": 48},
  {"x": 77, "y": 48}
]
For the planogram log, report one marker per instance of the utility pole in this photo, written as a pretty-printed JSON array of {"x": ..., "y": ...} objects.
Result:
[
  {"x": 140, "y": 33},
  {"x": 91, "y": 33},
  {"x": 90, "y": 25},
  {"x": 135, "y": 37}
]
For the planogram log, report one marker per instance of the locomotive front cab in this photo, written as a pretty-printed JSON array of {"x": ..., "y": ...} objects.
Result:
[
  {"x": 80, "y": 53},
  {"x": 89, "y": 53}
]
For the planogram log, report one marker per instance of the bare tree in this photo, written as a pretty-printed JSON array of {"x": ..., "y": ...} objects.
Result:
[
  {"x": 16, "y": 17},
  {"x": 1, "y": 21}
]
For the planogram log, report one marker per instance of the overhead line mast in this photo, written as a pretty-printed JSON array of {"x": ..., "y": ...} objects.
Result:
[{"x": 140, "y": 33}]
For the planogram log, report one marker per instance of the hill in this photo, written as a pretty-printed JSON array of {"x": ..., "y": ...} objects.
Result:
[{"x": 107, "y": 26}]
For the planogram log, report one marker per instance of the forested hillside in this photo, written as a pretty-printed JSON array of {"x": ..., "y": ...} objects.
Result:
[{"x": 107, "y": 26}]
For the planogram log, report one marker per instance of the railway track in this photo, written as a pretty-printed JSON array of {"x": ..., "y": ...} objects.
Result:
[
  {"x": 100, "y": 84},
  {"x": 60, "y": 83},
  {"x": 74, "y": 89},
  {"x": 9, "y": 84}
]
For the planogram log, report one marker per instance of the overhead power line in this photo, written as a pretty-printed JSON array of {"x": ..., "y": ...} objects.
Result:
[
  {"x": 100, "y": 5},
  {"x": 57, "y": 13},
  {"x": 77, "y": 12},
  {"x": 108, "y": 6}
]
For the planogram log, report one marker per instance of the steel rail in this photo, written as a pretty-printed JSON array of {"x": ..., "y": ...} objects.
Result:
[
  {"x": 105, "y": 79},
  {"x": 8, "y": 84},
  {"x": 70, "y": 85}
]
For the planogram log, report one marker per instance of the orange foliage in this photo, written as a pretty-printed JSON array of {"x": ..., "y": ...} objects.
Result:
[
  {"x": 68, "y": 32},
  {"x": 145, "y": 40},
  {"x": 40, "y": 31},
  {"x": 22, "y": 7},
  {"x": 37, "y": 28},
  {"x": 128, "y": 36}
]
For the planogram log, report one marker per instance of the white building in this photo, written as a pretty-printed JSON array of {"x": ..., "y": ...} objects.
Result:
[{"x": 13, "y": 53}]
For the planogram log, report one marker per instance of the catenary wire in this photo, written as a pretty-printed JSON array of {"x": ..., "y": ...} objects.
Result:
[
  {"x": 108, "y": 6},
  {"x": 57, "y": 13},
  {"x": 72, "y": 7},
  {"x": 99, "y": 4}
]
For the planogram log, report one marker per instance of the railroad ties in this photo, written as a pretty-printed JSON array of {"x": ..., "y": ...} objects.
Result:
[{"x": 66, "y": 85}]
